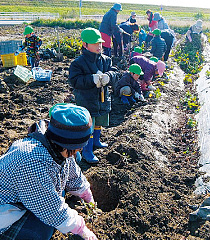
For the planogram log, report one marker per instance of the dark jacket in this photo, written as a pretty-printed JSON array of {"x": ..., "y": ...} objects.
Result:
[
  {"x": 109, "y": 23},
  {"x": 81, "y": 79},
  {"x": 158, "y": 47},
  {"x": 148, "y": 67},
  {"x": 128, "y": 80},
  {"x": 167, "y": 36}
]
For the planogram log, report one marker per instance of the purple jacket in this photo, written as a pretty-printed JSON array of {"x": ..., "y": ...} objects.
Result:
[
  {"x": 147, "y": 66},
  {"x": 128, "y": 80}
]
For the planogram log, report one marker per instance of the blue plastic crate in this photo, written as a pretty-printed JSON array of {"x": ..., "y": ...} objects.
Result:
[
  {"x": 8, "y": 47},
  {"x": 40, "y": 74}
]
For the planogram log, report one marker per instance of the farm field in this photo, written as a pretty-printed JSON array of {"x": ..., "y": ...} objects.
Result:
[
  {"x": 70, "y": 9},
  {"x": 145, "y": 179}
]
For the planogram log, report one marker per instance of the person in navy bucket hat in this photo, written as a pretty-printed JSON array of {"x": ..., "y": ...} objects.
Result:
[
  {"x": 70, "y": 126},
  {"x": 38, "y": 170}
]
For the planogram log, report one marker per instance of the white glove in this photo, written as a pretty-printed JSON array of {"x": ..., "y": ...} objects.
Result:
[
  {"x": 152, "y": 88},
  {"x": 139, "y": 96},
  {"x": 16, "y": 52},
  {"x": 99, "y": 72},
  {"x": 96, "y": 80},
  {"x": 87, "y": 234},
  {"x": 121, "y": 30},
  {"x": 105, "y": 79}
]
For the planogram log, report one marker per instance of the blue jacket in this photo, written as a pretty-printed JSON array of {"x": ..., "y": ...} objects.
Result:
[
  {"x": 109, "y": 23},
  {"x": 81, "y": 79},
  {"x": 158, "y": 47}
]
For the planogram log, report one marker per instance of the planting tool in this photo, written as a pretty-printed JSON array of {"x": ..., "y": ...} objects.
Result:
[{"x": 59, "y": 56}]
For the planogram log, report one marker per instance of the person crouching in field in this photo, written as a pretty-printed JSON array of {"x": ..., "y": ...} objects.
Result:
[
  {"x": 128, "y": 87},
  {"x": 90, "y": 75},
  {"x": 32, "y": 43},
  {"x": 37, "y": 171},
  {"x": 150, "y": 69}
]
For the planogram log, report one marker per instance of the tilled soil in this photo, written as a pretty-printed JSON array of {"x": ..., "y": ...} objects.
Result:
[{"x": 145, "y": 179}]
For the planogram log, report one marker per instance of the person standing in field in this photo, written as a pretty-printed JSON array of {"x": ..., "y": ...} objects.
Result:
[
  {"x": 152, "y": 25},
  {"x": 32, "y": 44},
  {"x": 109, "y": 26},
  {"x": 38, "y": 170},
  {"x": 159, "y": 46},
  {"x": 90, "y": 75}
]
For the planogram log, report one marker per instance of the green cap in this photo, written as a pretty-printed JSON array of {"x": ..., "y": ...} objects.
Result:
[
  {"x": 135, "y": 68},
  {"x": 154, "y": 59},
  {"x": 91, "y": 36},
  {"x": 138, "y": 49},
  {"x": 28, "y": 30},
  {"x": 157, "y": 32}
]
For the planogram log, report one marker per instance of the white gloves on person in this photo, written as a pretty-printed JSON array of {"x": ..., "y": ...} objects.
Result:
[
  {"x": 87, "y": 234},
  {"x": 104, "y": 79},
  {"x": 97, "y": 80},
  {"x": 101, "y": 80},
  {"x": 139, "y": 97},
  {"x": 152, "y": 88}
]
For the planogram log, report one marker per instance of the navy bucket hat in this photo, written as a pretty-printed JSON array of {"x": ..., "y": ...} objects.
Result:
[{"x": 70, "y": 126}]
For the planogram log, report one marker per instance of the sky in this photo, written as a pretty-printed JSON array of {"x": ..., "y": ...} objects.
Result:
[{"x": 182, "y": 3}]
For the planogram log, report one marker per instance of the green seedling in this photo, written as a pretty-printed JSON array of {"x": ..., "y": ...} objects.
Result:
[
  {"x": 191, "y": 123},
  {"x": 207, "y": 74},
  {"x": 157, "y": 93}
]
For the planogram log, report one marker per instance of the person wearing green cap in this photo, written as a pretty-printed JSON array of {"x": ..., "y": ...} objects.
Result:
[
  {"x": 38, "y": 170},
  {"x": 32, "y": 43},
  {"x": 137, "y": 51},
  {"x": 128, "y": 87},
  {"x": 89, "y": 75},
  {"x": 158, "y": 44}
]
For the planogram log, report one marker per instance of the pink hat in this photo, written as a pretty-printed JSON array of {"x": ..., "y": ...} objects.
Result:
[{"x": 161, "y": 67}]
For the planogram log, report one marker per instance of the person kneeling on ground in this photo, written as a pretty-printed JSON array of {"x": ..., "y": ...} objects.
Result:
[
  {"x": 137, "y": 51},
  {"x": 35, "y": 173},
  {"x": 150, "y": 69},
  {"x": 128, "y": 86}
]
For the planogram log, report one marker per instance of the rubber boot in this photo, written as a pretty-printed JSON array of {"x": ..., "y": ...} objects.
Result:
[
  {"x": 96, "y": 139},
  {"x": 130, "y": 98},
  {"x": 87, "y": 152},
  {"x": 124, "y": 99}
]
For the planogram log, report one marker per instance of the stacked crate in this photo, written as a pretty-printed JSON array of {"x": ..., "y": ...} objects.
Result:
[{"x": 7, "y": 50}]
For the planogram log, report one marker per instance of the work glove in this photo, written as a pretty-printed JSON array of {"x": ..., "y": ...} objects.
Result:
[
  {"x": 152, "y": 88},
  {"x": 139, "y": 97},
  {"x": 17, "y": 52},
  {"x": 99, "y": 72},
  {"x": 96, "y": 80},
  {"x": 104, "y": 79},
  {"x": 86, "y": 234},
  {"x": 121, "y": 30},
  {"x": 87, "y": 196}
]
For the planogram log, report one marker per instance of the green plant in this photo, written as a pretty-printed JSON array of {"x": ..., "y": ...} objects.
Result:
[
  {"x": 70, "y": 47},
  {"x": 191, "y": 123},
  {"x": 207, "y": 74},
  {"x": 157, "y": 93},
  {"x": 190, "y": 102}
]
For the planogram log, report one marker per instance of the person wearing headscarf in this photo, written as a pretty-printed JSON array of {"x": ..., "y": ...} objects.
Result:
[{"x": 195, "y": 29}]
